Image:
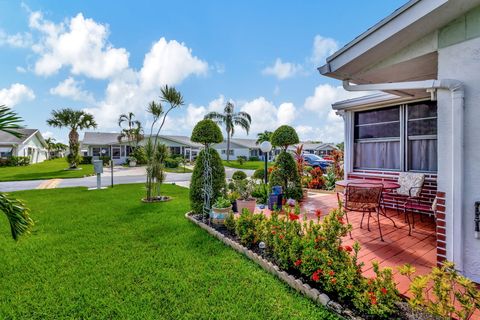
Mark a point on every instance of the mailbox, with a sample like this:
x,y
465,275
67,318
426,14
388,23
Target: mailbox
x,y
98,166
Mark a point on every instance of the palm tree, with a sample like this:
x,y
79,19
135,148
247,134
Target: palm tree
x,y
50,145
264,136
133,132
231,119
74,120
16,212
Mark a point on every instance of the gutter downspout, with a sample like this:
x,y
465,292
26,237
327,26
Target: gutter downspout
x,y
454,196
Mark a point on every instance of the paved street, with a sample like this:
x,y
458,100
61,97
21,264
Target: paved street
x,y
121,175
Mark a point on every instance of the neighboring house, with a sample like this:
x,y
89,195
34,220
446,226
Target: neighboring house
x,y
318,148
31,145
242,147
97,144
423,62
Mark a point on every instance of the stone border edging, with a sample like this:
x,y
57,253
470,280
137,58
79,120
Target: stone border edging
x,y
297,284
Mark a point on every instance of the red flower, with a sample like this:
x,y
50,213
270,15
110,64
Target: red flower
x,y
316,275
331,273
373,300
281,236
334,280
384,290
298,262
274,232
293,216
340,219
348,249
318,213
340,248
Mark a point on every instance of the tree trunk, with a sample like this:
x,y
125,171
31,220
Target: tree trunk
x,y
73,145
228,146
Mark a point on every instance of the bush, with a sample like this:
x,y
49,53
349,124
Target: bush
x,y
259,174
249,227
260,192
171,163
286,175
139,155
230,222
253,158
105,160
239,175
86,160
241,160
14,161
284,136
206,132
317,179
197,181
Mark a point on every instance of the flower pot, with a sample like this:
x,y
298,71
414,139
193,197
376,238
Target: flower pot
x,y
132,163
218,215
249,204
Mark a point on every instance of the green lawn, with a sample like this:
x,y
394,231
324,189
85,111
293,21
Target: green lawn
x,y
48,169
106,255
252,165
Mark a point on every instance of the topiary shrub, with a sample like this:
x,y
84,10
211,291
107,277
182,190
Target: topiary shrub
x,y
171,163
253,158
206,132
284,136
241,160
286,175
239,175
198,179
259,174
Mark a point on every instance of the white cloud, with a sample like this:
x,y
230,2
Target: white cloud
x,y
169,62
70,88
266,116
322,48
80,44
283,70
21,69
16,94
324,96
18,40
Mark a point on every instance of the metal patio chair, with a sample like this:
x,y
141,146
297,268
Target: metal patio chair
x,y
411,185
420,205
365,198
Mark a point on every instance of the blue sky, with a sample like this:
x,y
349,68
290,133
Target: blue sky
x,y
112,57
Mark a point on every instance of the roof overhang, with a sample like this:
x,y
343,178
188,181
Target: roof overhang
x,y
413,22
382,99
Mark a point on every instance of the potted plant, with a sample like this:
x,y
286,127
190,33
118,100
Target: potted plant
x,y
245,188
233,196
220,210
132,161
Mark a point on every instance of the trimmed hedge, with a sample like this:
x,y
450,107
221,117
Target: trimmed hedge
x,y
284,136
86,160
206,132
197,181
239,175
286,175
15,161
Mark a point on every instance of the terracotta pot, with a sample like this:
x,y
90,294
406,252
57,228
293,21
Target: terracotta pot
x,y
249,204
218,215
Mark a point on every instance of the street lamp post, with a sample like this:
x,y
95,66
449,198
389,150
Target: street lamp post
x,y
266,147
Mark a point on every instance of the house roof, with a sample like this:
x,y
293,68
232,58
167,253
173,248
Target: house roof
x,y
108,138
247,143
314,145
7,138
414,21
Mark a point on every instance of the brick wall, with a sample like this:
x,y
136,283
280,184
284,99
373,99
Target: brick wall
x,y
441,231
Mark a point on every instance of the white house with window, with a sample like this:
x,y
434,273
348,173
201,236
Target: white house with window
x,y
421,65
31,145
98,144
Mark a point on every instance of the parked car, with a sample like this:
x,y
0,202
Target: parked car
x,y
316,161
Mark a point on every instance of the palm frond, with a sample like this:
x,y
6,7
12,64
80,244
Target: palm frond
x,y
17,215
172,96
244,115
217,117
9,121
243,123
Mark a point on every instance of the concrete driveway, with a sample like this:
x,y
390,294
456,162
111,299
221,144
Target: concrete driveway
x,y
121,175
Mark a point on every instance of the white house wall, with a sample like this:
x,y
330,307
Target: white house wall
x,y
39,154
461,62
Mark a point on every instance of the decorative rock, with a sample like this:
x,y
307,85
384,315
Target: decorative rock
x,y
335,307
313,294
347,313
323,299
299,285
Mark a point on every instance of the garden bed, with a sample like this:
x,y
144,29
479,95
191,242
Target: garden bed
x,y
296,281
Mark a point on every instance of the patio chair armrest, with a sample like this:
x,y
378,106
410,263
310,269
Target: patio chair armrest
x,y
414,190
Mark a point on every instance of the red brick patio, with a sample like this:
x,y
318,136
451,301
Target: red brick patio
x,y
399,248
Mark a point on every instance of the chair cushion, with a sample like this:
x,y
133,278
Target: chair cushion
x,y
409,180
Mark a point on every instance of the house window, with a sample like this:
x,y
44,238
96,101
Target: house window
x,y
96,152
116,152
224,151
377,139
397,138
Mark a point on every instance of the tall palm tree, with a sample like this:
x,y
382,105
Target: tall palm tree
x,y
264,136
74,120
50,145
133,131
231,119
16,212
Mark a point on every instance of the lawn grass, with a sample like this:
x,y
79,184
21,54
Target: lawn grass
x,y
103,254
48,169
250,165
